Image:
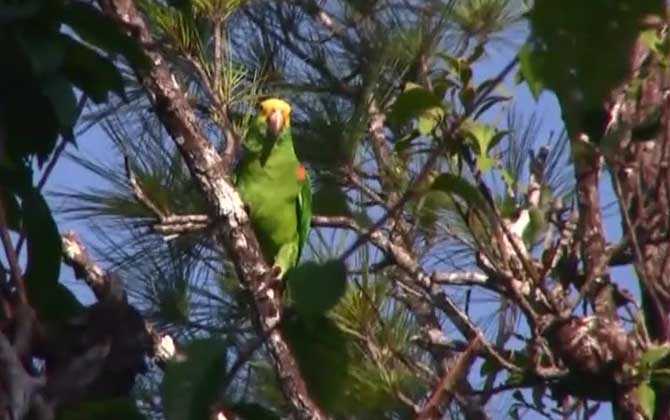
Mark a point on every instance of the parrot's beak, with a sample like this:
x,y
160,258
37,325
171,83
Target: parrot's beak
x,y
275,122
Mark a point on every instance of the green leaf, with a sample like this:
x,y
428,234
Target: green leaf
x,y
453,184
191,386
112,409
650,38
483,136
647,398
93,74
530,70
320,349
417,102
315,288
653,357
99,30
59,91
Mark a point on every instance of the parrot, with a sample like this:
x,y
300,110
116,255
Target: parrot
x,y
275,187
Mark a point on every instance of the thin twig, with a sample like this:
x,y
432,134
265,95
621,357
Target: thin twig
x,y
12,258
445,388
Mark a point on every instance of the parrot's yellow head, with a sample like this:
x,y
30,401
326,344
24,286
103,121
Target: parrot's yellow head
x,y
277,114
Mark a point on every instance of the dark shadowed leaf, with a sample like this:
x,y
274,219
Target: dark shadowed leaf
x,y
97,29
191,386
45,50
44,243
113,409
59,91
252,411
452,184
52,300
20,10
316,287
92,73
650,126
26,137
330,200
183,6
11,208
321,350
416,102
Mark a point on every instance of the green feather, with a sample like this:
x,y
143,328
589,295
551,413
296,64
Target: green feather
x,y
304,213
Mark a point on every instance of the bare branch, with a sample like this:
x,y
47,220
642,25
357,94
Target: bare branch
x,y
19,386
106,287
12,258
444,389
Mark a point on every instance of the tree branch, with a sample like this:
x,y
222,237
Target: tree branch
x,y
12,258
445,388
234,231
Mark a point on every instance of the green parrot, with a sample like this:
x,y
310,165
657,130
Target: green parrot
x,y
275,187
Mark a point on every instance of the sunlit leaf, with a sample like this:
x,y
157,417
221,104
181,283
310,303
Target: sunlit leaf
x,y
652,357
647,397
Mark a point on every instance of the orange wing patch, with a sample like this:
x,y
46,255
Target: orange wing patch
x,y
301,173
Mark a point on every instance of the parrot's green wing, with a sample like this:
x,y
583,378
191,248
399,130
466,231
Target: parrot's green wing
x,y
304,207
